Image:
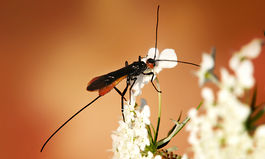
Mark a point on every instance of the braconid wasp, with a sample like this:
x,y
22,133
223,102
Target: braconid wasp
x,y
105,83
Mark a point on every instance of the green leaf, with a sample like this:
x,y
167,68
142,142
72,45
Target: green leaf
x,y
258,115
171,130
254,98
149,134
152,126
179,116
178,126
198,107
174,130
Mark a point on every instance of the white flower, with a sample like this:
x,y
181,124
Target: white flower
x,y
167,54
207,66
227,81
252,50
158,157
185,156
260,141
193,113
145,114
235,61
249,51
230,83
151,156
260,132
207,95
244,74
240,63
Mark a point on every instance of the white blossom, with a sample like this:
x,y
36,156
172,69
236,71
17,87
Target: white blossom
x,y
244,74
242,66
228,82
151,156
235,61
249,51
207,65
259,139
252,50
208,95
131,137
184,156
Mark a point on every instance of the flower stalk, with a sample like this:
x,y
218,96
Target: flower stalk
x,y
159,110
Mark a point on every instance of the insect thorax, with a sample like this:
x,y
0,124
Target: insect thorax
x,y
137,68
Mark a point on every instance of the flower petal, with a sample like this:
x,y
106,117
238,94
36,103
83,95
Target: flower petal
x,y
139,84
252,49
152,52
167,54
235,61
207,95
207,62
244,74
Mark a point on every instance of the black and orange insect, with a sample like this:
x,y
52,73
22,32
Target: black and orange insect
x,y
105,83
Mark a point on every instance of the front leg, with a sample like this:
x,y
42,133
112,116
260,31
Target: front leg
x,y
152,78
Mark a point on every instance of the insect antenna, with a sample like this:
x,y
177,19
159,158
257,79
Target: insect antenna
x,y
157,20
67,122
184,62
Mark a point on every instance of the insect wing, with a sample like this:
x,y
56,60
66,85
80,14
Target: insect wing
x,y
112,78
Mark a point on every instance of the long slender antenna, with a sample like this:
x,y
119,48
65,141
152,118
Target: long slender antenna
x,y
184,62
157,19
67,122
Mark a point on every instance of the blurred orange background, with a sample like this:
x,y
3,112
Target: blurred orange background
x,y
51,49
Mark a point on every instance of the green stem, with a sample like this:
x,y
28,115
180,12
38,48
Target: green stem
x,y
159,111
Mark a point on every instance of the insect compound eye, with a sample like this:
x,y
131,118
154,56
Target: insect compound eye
x,y
151,61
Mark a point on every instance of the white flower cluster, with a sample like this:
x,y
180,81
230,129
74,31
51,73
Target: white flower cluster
x,y
131,137
220,133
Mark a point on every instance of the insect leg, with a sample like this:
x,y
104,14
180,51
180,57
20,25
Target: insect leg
x,y
130,89
152,78
120,93
122,96
124,92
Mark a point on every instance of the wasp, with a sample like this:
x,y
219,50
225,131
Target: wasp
x,y
105,83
